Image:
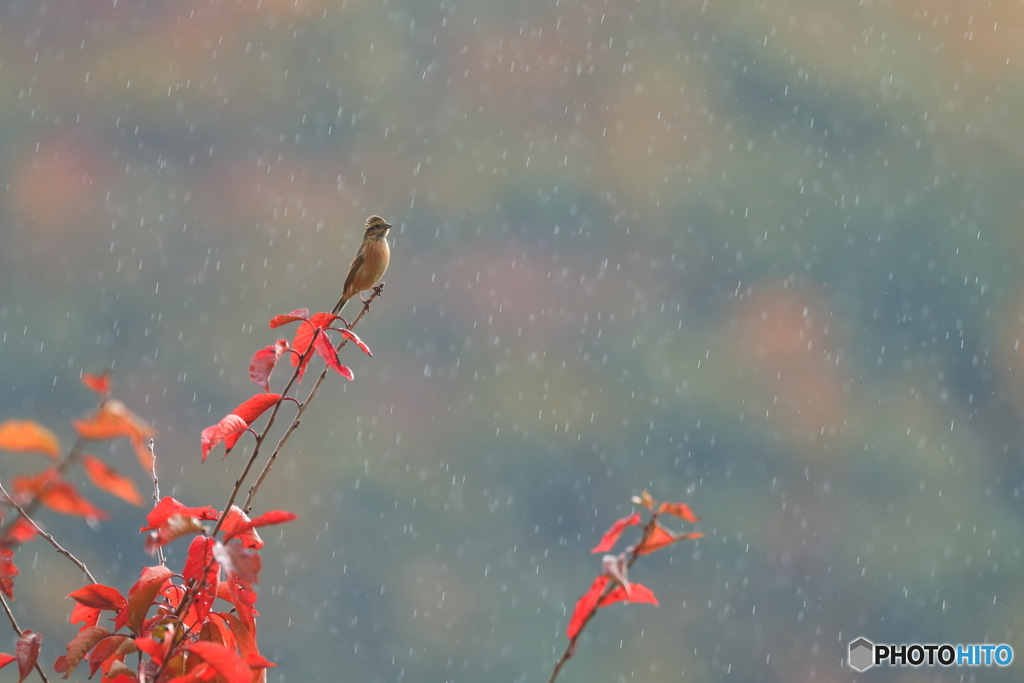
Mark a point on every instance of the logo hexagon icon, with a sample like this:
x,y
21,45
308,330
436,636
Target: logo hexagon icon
x,y
862,654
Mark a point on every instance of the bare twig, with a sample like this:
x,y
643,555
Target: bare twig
x,y
17,629
57,546
156,494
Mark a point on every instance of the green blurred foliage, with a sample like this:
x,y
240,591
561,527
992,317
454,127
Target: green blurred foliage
x,y
760,257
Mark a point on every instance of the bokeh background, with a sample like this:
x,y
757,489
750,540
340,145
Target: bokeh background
x,y
760,257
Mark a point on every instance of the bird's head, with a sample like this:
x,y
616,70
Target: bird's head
x,y
376,228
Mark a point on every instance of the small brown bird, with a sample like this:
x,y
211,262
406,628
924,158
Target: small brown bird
x,y
370,262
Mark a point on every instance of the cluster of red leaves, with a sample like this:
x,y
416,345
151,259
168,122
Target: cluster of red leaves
x,y
51,489
613,585
311,335
171,618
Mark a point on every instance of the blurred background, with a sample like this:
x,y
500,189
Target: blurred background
x,y
758,257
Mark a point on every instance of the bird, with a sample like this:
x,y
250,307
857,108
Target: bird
x,y
369,263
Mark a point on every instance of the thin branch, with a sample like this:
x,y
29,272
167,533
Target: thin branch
x,y
156,495
14,624
57,546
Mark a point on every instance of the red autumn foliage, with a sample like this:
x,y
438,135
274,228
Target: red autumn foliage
x,y
285,318
636,592
351,336
113,420
170,622
233,425
680,510
224,661
21,531
169,506
28,437
325,349
264,361
57,494
7,572
611,536
105,477
26,650
98,383
99,597
237,524
612,585
202,569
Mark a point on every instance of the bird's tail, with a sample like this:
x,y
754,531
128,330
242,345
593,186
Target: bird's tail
x,y
340,305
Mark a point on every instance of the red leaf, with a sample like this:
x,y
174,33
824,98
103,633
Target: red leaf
x,y
304,336
203,569
98,596
585,606
57,494
614,531
112,420
98,383
351,336
173,528
106,651
154,648
231,428
237,523
274,517
238,561
637,593
105,477
6,659
285,318
245,638
680,510
7,572
85,615
25,436
141,595
258,661
255,406
263,362
228,427
169,506
228,664
22,531
78,648
325,349
27,652
661,537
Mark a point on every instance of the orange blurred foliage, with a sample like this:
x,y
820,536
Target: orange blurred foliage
x,y
783,334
